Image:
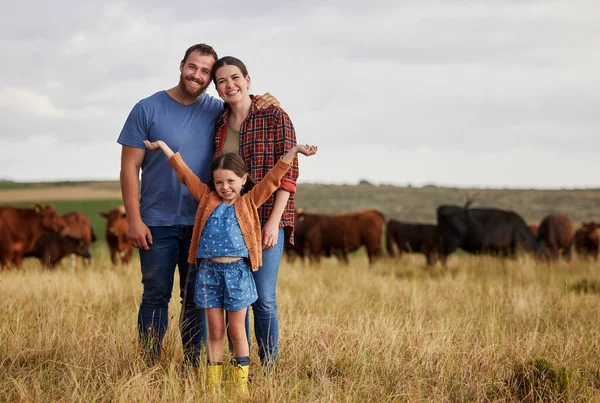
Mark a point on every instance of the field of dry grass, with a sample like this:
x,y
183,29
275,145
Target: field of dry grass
x,y
85,192
482,330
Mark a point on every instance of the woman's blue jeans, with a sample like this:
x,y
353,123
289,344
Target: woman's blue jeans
x,y
170,247
266,321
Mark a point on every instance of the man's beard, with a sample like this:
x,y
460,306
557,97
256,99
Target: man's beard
x,y
183,84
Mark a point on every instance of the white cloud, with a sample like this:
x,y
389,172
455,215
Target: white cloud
x,y
440,86
25,103
44,158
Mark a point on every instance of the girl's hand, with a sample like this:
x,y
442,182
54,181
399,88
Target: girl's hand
x,y
159,145
154,145
299,149
306,149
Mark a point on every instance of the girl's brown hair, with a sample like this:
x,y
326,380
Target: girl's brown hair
x,y
231,162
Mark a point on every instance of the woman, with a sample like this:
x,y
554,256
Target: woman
x,y
260,137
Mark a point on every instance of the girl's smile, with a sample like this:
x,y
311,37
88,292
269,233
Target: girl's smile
x,y
228,185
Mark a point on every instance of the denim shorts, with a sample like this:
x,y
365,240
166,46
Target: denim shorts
x,y
224,285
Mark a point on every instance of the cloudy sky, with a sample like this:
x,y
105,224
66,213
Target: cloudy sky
x,y
497,93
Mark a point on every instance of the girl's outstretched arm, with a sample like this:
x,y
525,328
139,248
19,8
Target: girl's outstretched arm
x,y
304,149
185,175
271,181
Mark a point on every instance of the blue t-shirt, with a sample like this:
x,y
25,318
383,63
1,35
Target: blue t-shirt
x,y
222,235
189,129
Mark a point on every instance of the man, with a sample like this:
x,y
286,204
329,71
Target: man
x,y
161,214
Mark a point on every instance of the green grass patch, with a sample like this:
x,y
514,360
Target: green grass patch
x,y
539,379
38,185
586,286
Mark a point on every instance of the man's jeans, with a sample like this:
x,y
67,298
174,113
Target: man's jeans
x,y
170,247
266,324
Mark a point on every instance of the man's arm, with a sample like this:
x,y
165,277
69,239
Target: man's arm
x,y
131,162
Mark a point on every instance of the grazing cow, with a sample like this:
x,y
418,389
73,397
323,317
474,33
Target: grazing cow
x,y
485,230
413,237
556,232
586,239
51,248
338,235
116,235
20,228
81,228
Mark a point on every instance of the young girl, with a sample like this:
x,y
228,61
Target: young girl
x,y
226,237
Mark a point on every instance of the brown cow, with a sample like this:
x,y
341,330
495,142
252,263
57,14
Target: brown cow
x,y
20,228
80,228
414,237
51,248
339,234
116,235
556,232
586,239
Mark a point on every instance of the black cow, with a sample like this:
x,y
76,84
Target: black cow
x,y
485,230
51,248
414,238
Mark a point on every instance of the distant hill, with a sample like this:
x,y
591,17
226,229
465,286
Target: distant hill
x,y
405,203
420,203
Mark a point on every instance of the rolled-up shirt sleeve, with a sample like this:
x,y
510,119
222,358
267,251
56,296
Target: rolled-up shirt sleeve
x,y
285,140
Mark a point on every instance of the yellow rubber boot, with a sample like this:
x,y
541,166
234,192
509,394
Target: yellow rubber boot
x,y
213,376
240,379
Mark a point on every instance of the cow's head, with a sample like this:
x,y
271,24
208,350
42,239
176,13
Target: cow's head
x,y
77,246
591,230
51,220
117,224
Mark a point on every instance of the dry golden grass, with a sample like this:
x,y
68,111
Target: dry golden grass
x,y
394,332
83,192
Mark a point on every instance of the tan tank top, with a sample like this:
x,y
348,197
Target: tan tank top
x,y
232,141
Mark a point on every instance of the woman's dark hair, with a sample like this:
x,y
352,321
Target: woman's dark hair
x,y
232,162
228,61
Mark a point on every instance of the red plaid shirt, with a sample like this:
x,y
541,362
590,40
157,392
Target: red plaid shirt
x,y
265,136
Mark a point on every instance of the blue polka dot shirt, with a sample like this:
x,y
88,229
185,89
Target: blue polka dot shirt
x,y
222,235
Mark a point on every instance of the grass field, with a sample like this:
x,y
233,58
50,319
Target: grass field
x,y
483,329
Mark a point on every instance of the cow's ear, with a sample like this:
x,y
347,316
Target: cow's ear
x,y
37,207
104,215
